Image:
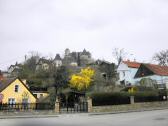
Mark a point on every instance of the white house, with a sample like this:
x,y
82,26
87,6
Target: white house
x,y
127,71
43,64
154,72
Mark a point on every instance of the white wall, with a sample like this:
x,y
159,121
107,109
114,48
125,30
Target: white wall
x,y
126,73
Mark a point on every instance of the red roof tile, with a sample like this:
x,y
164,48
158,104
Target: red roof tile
x,y
159,70
132,64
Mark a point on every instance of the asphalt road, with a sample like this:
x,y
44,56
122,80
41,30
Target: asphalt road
x,y
147,118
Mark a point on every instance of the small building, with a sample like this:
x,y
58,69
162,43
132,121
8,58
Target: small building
x,y
43,64
127,71
39,93
13,70
13,91
106,69
154,72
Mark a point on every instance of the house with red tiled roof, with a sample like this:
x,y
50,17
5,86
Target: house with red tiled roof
x,y
154,72
127,70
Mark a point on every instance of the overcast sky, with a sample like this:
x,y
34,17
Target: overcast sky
x,y
51,26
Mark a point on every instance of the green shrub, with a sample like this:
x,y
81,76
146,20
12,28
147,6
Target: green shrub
x,y
147,96
139,88
118,98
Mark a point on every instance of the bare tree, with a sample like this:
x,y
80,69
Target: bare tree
x,y
119,54
161,57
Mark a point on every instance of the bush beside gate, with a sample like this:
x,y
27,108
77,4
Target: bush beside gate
x,y
119,98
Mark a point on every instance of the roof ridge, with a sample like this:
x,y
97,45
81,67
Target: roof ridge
x,y
158,69
131,61
132,64
154,64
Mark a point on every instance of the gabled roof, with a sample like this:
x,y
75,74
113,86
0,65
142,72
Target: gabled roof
x,y
132,64
57,57
5,83
16,65
157,69
102,61
43,60
11,66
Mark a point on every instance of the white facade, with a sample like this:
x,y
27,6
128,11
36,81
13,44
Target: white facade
x,y
58,63
74,64
126,73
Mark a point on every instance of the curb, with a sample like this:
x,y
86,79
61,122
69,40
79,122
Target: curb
x,y
27,116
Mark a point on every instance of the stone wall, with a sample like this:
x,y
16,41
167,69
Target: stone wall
x,y
131,107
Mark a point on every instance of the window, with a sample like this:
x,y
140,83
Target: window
x,y
25,100
11,101
16,88
104,75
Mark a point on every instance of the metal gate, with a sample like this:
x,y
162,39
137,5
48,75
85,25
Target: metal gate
x,y
80,107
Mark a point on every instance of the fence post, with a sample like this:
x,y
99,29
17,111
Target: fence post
x,y
89,102
57,106
132,100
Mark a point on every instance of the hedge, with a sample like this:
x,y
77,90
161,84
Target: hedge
x,y
146,96
118,98
99,99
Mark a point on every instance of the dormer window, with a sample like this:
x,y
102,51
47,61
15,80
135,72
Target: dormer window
x,y
16,88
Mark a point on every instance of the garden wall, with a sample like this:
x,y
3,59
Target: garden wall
x,y
131,107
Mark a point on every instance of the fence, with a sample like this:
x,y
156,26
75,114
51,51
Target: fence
x,y
73,108
25,107
162,84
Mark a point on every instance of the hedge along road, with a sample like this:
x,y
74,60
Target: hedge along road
x,y
146,118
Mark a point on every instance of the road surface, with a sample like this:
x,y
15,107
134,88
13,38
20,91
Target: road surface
x,y
147,118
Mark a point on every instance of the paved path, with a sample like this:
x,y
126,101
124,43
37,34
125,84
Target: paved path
x,y
146,118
